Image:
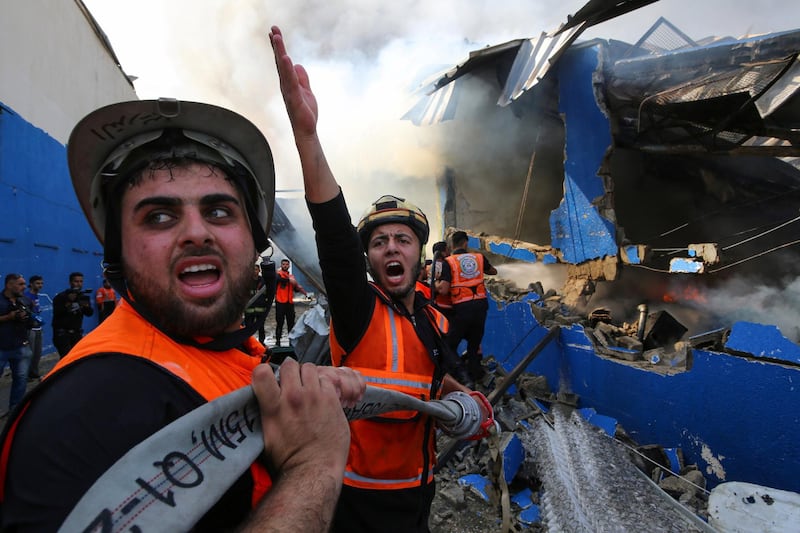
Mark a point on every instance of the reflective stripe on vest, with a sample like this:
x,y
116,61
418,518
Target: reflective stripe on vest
x,y
467,277
387,452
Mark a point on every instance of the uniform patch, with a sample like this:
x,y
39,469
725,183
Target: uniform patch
x,y
469,266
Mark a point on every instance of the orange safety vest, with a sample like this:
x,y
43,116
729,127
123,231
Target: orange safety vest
x,y
424,288
210,373
105,295
467,277
284,288
394,450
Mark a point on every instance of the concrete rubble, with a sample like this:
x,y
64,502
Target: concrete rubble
x,y
471,495
470,492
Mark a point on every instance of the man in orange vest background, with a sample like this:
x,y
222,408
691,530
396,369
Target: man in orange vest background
x,y
462,278
106,300
285,288
386,330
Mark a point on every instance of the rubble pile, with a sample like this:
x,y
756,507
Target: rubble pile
x,y
606,476
653,341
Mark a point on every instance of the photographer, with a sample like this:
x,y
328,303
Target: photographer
x,y
69,308
15,321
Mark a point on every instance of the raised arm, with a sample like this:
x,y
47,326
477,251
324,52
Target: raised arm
x,y
320,184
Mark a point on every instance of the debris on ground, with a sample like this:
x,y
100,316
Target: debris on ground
x,y
554,467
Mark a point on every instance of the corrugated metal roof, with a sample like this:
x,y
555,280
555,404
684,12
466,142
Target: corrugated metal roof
x,y
534,59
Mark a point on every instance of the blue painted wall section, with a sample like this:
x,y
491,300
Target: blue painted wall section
x,y
733,417
512,332
763,341
44,231
632,254
736,417
576,226
505,249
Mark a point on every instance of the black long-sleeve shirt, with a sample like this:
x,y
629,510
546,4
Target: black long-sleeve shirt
x,y
68,313
344,271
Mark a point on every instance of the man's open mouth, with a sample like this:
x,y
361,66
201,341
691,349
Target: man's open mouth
x,y
199,275
394,269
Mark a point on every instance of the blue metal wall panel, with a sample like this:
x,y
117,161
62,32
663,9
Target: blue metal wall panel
x,y
576,226
736,418
511,333
44,231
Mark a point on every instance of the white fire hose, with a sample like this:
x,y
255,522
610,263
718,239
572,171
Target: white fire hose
x,y
170,480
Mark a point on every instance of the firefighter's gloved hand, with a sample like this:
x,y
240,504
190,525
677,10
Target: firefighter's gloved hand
x,y
477,416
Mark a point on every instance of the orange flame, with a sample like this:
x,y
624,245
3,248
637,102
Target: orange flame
x,y
688,293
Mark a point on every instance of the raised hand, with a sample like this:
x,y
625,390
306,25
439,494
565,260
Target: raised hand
x,y
301,104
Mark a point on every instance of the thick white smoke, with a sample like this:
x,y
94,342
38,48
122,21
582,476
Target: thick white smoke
x,y
365,60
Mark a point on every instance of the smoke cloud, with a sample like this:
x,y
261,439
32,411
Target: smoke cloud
x,y
366,60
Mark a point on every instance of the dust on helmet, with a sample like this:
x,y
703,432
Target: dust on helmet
x,y
112,143
390,209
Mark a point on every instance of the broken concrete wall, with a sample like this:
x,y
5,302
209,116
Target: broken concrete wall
x,y
735,416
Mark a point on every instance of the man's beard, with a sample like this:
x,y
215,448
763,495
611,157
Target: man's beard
x,y
175,317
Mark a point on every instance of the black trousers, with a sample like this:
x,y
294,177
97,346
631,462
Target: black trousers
x,y
64,340
283,312
258,319
383,511
467,323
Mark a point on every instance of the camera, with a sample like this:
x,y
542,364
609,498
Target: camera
x,y
23,314
79,291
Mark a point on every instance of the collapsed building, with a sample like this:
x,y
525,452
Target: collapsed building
x,y
661,179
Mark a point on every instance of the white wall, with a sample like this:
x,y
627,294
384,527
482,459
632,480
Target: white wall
x,y
54,68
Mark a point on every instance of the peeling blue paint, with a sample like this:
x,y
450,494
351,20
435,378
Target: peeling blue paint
x,y
632,254
509,251
762,340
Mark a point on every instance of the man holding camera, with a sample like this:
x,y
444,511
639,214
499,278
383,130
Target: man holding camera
x,y
15,322
69,308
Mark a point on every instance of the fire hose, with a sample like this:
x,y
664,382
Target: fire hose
x,y
168,481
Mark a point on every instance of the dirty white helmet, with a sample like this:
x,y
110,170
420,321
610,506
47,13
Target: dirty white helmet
x,y
112,143
390,209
